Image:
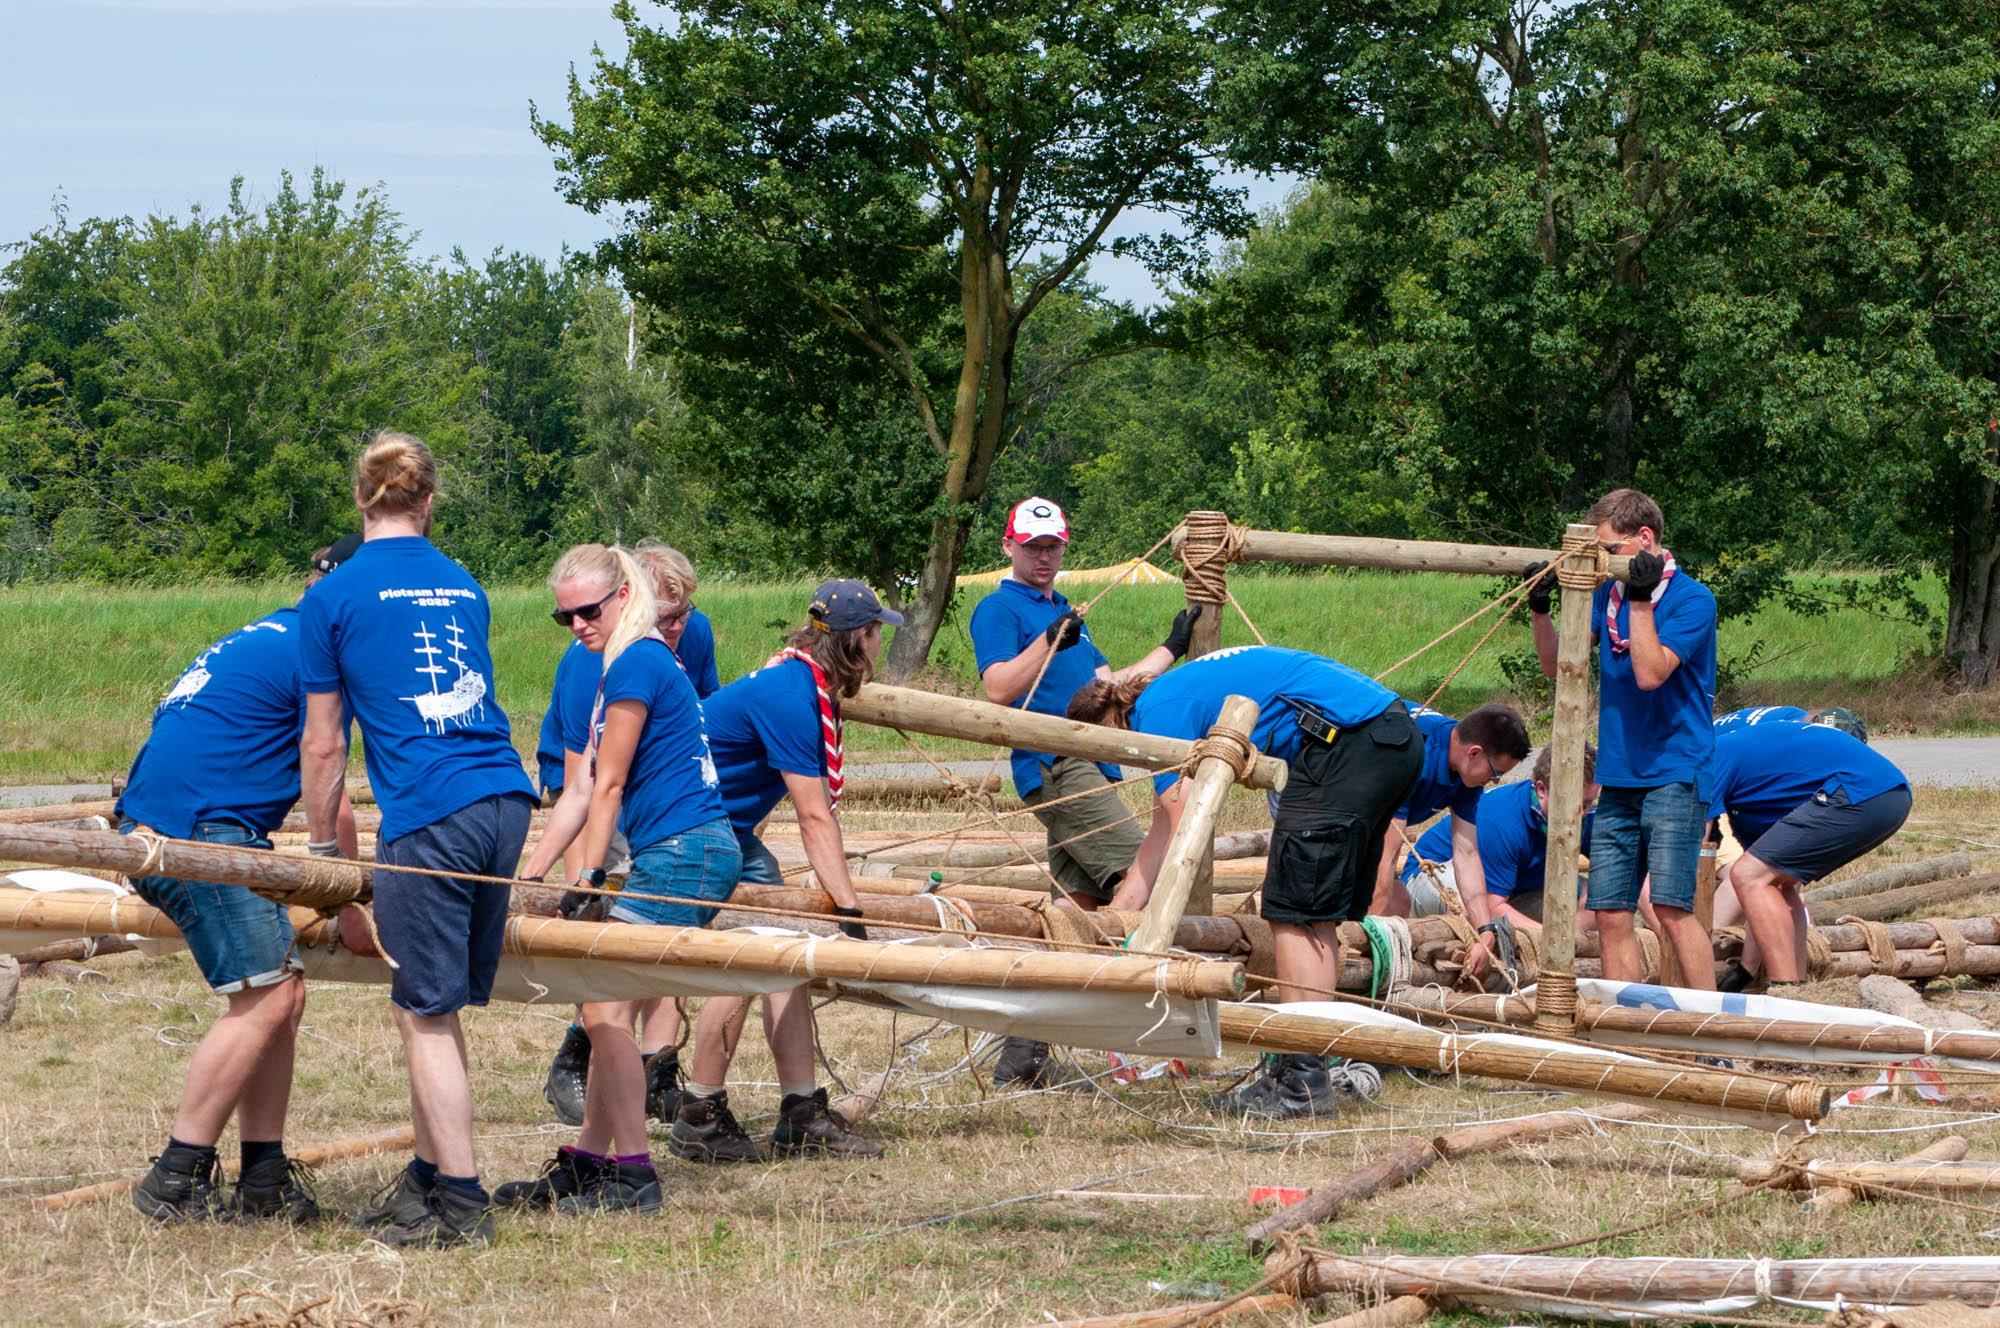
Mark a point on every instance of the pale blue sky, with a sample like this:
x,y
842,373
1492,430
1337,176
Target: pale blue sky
x,y
137,106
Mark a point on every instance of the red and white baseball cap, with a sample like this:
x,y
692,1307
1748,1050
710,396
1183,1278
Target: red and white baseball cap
x,y
1036,518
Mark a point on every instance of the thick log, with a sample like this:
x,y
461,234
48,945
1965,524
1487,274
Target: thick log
x,y
1209,786
1242,844
1512,1279
916,788
275,875
1551,1064
1919,935
1893,878
1206,636
1004,726
1182,1316
77,949
1570,734
1398,1312
805,958
1395,555
943,854
59,812
1875,1179
1408,1160
1833,1198
314,1155
1911,898
1898,998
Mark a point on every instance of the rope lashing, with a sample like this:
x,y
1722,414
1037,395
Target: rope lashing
x,y
1819,953
1555,998
1951,943
1209,543
1572,577
1230,746
1881,946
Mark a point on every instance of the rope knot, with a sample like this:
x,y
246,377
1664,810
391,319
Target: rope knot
x,y
1230,746
1209,543
1572,577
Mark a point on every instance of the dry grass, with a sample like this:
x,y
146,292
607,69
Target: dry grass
x,y
955,1225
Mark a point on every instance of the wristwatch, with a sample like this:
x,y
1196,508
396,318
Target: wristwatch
x,y
1486,929
593,877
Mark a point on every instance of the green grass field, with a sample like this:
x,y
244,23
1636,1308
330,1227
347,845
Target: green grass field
x,y
81,666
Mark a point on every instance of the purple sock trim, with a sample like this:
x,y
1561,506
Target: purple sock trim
x,y
633,1160
572,1151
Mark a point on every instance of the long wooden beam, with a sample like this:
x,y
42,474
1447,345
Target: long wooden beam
x,y
1208,787
1004,726
1398,555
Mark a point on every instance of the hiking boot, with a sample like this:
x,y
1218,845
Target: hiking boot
x,y
1023,1062
279,1187
569,1075
567,1173
182,1187
1738,978
807,1125
706,1131
451,1217
1284,1091
399,1203
663,1085
619,1187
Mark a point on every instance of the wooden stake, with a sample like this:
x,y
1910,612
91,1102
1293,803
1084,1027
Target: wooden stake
x,y
1571,732
317,1155
1876,1179
56,811
1833,1198
1004,726
1893,878
1208,788
1278,546
1400,1312
1909,898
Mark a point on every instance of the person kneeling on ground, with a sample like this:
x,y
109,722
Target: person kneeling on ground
x,y
1025,630
222,766
650,771
1804,800
776,733
1353,750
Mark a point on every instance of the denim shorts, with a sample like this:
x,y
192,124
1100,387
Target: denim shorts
x,y
444,933
701,863
1826,832
240,941
1641,833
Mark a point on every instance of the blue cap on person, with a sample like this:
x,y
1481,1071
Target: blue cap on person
x,y
337,552
843,606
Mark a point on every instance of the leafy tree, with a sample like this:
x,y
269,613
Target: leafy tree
x,y
849,210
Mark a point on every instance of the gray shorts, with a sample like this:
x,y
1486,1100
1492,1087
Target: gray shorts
x,y
445,933
1827,832
1097,833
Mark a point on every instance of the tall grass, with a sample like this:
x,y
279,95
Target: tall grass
x,y
81,666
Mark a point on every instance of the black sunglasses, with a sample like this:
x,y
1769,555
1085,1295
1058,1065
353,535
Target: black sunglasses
x,y
587,612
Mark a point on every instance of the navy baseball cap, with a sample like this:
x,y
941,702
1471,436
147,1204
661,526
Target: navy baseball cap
x,y
843,606
337,552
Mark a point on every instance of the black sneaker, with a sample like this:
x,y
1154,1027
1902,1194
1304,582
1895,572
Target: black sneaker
x,y
1023,1062
663,1085
567,1173
807,1125
1281,1092
278,1187
451,1217
569,1075
621,1187
182,1187
1738,978
706,1131
399,1203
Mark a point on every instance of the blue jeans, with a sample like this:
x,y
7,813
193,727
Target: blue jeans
x,y
444,933
239,940
701,863
1641,832
760,864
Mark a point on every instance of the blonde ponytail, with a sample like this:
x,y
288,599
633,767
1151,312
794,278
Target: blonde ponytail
x,y
611,568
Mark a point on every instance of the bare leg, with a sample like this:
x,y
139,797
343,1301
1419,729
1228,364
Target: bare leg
x,y
788,1028
1306,956
440,1090
1801,926
245,1059
614,1103
1619,944
716,1030
660,1024
1769,897
1692,946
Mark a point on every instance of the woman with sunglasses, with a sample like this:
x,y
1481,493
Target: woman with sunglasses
x,y
647,769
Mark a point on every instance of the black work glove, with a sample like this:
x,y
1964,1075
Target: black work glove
x,y
578,906
1065,631
1643,576
1182,633
1540,597
853,931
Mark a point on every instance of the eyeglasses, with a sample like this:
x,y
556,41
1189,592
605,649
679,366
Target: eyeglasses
x,y
1618,546
587,612
679,615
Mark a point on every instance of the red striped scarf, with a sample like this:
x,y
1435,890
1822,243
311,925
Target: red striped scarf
x,y
1619,645
829,724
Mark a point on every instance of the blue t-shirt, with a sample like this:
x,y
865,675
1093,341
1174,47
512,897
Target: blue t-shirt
x,y
1665,736
225,740
1184,702
1763,774
1003,624
1513,840
696,653
672,785
1437,788
1737,719
568,717
400,632
762,727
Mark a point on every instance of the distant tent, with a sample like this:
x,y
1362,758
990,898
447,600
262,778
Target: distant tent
x,y
1143,574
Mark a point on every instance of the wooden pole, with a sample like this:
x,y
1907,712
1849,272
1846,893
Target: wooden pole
x,y
78,949
1398,1312
1208,787
1910,898
1833,1198
1184,1316
1003,726
1876,1179
1892,878
1280,1028
1277,546
42,813
1204,575
316,1155
1405,1162
1571,732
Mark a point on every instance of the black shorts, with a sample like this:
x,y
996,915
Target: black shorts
x,y
1827,831
1335,808
445,933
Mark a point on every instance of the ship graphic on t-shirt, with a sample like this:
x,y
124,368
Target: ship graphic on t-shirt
x,y
465,699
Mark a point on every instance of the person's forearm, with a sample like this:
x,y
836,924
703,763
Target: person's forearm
x,y
603,820
566,819
1009,680
1545,642
322,782
1136,889
1652,663
346,833
1498,906
1155,661
1470,874
826,851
